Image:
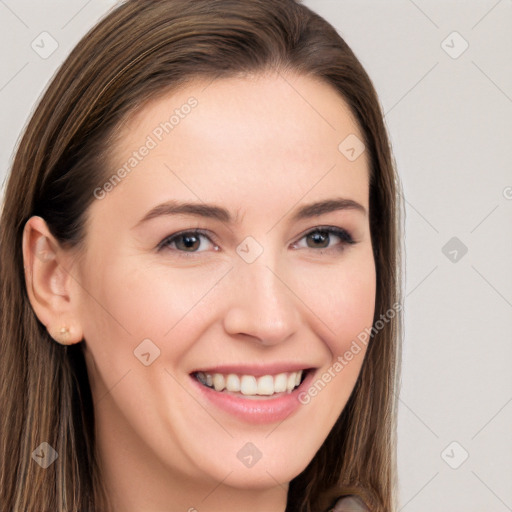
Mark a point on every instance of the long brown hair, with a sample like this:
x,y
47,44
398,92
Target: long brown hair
x,y
140,49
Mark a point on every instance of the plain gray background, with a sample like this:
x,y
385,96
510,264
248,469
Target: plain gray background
x,y
443,74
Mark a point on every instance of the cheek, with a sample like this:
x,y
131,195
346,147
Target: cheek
x,y
346,309
127,304
342,298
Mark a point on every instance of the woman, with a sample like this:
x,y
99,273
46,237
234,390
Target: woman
x,y
199,271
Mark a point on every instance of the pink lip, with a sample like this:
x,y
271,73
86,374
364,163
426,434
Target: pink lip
x,y
256,370
261,411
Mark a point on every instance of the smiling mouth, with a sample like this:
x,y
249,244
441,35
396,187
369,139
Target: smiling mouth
x,y
250,386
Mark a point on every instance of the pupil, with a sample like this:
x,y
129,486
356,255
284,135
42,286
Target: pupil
x,y
189,241
321,236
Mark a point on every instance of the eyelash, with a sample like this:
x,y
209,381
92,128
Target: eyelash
x,y
342,234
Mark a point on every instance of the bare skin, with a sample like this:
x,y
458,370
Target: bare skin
x,y
257,148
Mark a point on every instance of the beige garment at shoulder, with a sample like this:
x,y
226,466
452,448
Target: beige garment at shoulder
x,y
350,504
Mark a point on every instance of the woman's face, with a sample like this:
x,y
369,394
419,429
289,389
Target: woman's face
x,y
260,294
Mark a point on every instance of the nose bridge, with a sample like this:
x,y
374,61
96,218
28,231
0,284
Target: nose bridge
x,y
262,305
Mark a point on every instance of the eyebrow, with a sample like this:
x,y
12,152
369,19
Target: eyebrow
x,y
212,211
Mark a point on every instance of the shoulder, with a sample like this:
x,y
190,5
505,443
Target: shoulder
x,y
350,504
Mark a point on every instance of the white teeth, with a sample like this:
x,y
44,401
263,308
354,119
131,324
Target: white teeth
x,y
249,385
218,382
233,382
291,382
266,385
280,382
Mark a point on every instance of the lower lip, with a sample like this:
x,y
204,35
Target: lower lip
x,y
261,411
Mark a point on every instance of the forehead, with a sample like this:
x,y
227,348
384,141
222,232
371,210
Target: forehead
x,y
258,104
233,139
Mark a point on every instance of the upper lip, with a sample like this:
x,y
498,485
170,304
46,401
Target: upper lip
x,y
256,370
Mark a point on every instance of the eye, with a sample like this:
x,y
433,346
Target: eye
x,y
186,241
322,236
191,241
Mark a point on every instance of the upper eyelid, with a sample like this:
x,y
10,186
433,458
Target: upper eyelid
x,y
325,227
195,231
332,230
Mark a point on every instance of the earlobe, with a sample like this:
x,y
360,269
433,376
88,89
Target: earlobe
x,y
48,283
65,335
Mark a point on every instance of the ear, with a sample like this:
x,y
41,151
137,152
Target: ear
x,y
49,283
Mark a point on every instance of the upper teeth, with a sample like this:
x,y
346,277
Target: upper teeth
x,y
250,385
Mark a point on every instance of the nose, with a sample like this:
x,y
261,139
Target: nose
x,y
262,304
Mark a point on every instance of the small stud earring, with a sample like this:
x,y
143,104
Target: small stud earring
x,y
62,335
